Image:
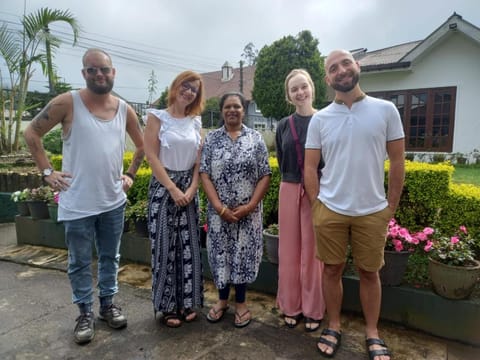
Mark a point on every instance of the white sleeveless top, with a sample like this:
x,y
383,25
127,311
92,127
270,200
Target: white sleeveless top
x,y
93,155
179,140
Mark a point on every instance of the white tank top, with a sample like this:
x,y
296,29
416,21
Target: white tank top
x,y
93,154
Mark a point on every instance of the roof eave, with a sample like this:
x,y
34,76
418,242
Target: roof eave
x,y
398,66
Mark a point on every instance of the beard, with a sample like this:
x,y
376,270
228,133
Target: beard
x,y
100,89
347,87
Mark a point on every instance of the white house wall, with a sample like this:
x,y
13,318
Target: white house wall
x,y
454,61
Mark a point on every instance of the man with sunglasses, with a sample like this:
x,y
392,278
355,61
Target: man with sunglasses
x,y
92,184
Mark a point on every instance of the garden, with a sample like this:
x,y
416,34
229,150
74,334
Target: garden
x,y
437,221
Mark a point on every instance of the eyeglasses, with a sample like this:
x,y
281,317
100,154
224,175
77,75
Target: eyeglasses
x,y
186,86
93,70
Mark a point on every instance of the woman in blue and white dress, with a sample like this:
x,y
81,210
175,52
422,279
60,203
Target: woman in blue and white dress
x,y
172,143
235,176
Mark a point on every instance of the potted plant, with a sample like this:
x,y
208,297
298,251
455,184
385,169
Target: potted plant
x,y
137,213
37,202
52,205
270,237
453,269
398,247
20,198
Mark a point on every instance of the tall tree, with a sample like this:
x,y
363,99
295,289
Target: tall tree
x,y
274,62
250,54
37,25
20,50
211,113
163,99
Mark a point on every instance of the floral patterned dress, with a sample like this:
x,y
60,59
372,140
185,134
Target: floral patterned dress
x,y
234,167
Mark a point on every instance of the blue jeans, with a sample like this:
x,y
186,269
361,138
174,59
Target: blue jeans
x,y
106,230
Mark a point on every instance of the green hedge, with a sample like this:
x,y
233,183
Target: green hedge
x,y
429,197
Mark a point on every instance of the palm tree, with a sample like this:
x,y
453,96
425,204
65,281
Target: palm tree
x,y
20,50
36,26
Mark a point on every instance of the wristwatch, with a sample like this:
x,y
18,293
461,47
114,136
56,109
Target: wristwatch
x,y
47,172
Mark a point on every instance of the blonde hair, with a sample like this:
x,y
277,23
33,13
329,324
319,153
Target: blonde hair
x,y
196,107
290,75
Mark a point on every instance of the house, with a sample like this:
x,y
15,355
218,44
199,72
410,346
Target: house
x,y
240,79
434,84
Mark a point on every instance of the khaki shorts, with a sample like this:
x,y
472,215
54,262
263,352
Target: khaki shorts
x,y
366,234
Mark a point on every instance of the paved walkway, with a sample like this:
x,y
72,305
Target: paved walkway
x,y
37,320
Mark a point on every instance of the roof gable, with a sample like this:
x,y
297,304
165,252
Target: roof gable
x,y
215,87
401,56
454,23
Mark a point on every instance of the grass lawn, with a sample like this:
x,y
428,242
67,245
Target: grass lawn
x,y
467,174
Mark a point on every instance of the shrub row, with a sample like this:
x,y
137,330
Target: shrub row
x,y
429,197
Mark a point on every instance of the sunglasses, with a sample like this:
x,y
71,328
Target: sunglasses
x,y
93,70
186,86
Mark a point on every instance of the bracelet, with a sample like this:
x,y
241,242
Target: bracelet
x,y
130,175
222,211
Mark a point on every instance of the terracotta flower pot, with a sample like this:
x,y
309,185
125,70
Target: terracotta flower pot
x,y
453,282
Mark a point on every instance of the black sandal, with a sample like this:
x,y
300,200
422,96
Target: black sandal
x,y
333,345
169,319
296,319
377,352
310,321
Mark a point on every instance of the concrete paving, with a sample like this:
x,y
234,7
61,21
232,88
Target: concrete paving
x,y
37,320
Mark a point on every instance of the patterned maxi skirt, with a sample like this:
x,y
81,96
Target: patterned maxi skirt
x,y
177,281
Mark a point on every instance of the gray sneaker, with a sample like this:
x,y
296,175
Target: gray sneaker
x,y
85,328
112,314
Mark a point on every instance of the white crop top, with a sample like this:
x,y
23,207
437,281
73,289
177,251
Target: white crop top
x,y
179,140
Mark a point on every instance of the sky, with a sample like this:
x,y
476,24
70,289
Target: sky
x,y
170,36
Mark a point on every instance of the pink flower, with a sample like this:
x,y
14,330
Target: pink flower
x,y
454,240
463,229
421,236
429,246
428,231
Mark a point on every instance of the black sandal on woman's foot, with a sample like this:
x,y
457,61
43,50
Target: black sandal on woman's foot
x,y
188,315
172,320
377,352
294,320
333,345
311,324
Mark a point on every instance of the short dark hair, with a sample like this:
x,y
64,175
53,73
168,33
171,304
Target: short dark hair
x,y
233,93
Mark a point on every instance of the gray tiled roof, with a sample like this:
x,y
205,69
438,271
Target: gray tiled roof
x,y
385,56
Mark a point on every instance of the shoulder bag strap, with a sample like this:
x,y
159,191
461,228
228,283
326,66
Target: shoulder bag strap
x,y
297,145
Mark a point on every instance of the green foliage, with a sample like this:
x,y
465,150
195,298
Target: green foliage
x,y
56,161
139,189
20,50
211,114
137,211
22,195
274,62
52,141
43,193
270,201
163,100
